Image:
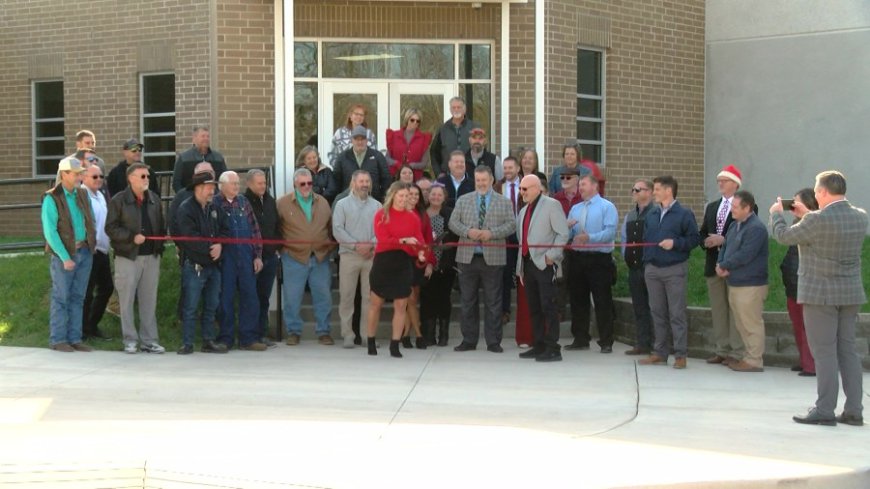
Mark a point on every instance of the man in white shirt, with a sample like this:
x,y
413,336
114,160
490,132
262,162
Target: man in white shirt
x,y
100,286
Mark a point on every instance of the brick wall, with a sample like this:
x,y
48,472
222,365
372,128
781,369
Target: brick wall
x,y
522,73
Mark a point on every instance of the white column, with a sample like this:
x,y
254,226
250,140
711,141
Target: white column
x,y
540,63
280,119
505,79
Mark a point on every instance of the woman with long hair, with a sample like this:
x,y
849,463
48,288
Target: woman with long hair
x,y
805,201
324,184
405,175
409,146
529,164
400,240
412,320
341,140
435,306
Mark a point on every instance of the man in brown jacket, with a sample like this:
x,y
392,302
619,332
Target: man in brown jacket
x,y
306,225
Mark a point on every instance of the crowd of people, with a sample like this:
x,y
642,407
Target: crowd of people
x,y
436,212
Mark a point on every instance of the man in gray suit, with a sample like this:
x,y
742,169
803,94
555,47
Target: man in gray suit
x,y
541,221
830,288
482,220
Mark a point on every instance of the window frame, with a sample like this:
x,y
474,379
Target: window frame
x,y
35,140
602,99
143,116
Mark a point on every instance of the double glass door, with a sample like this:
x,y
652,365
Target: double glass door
x,y
385,104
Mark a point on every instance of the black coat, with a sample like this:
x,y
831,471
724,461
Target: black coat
x,y
116,182
124,222
182,173
467,186
325,184
194,220
373,162
486,158
448,255
266,212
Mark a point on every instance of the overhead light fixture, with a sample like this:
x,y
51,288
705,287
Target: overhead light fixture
x,y
368,57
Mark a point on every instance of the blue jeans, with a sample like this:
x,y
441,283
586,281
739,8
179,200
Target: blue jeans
x,y
318,278
265,282
205,285
68,297
237,275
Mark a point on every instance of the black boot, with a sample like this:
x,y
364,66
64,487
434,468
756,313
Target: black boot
x,y
394,349
421,343
443,328
406,342
373,349
428,328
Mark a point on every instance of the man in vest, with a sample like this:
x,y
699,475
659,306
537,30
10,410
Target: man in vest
x,y
70,235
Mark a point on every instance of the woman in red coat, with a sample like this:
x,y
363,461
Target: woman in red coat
x,y
409,145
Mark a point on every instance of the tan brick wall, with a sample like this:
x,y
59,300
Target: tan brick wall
x,y
654,89
522,76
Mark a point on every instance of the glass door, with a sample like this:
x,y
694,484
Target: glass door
x,y
431,99
338,98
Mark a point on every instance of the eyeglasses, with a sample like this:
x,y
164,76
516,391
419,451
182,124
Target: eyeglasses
x,y
305,184
413,120
91,158
360,114
97,177
567,177
136,150
524,189
143,177
638,190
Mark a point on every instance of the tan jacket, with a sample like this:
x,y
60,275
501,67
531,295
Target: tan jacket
x,y
295,227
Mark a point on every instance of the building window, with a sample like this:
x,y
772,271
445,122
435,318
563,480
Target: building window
x,y
157,109
47,126
590,104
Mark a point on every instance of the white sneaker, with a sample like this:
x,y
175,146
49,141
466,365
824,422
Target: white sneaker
x,y
131,347
152,348
348,342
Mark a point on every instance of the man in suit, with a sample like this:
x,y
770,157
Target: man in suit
x,y
541,221
481,218
509,186
831,291
457,182
717,219
361,157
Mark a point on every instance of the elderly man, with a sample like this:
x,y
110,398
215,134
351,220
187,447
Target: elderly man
x,y
831,290
481,218
306,224
666,270
239,265
353,222
458,182
477,154
451,136
117,179
541,222
100,281
743,264
135,214
70,235
198,219
200,151
714,229
633,232
593,228
266,212
361,157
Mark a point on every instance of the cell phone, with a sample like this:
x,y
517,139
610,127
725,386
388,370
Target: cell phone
x,y
788,204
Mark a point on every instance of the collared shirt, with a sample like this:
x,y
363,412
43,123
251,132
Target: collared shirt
x,y
456,183
305,204
516,200
600,223
49,223
238,206
98,204
487,197
360,157
666,209
726,201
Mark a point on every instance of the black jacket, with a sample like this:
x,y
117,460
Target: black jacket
x,y
325,184
634,225
266,212
486,158
197,221
182,174
124,222
447,139
789,269
116,182
709,227
465,187
448,254
373,162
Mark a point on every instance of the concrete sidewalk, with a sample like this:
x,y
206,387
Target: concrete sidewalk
x,y
315,416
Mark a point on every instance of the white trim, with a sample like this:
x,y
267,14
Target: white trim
x,y
34,121
143,115
540,80
504,72
279,174
601,98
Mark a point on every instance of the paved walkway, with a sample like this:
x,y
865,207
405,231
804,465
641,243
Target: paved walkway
x,y
315,416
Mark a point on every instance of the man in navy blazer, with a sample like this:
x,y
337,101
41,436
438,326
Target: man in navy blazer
x,y
457,182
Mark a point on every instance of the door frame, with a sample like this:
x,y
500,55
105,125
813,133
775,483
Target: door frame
x,y
325,129
399,88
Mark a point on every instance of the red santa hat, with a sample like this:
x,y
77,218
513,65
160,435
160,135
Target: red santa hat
x,y
731,173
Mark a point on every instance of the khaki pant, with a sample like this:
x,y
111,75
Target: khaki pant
x,y
137,280
726,338
353,269
747,304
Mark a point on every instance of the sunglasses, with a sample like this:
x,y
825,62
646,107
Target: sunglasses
x,y
143,177
638,190
97,177
91,158
567,177
135,150
413,120
305,184
524,189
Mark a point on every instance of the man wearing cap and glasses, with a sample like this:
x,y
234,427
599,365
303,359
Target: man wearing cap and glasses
x,y
70,234
361,157
100,286
117,179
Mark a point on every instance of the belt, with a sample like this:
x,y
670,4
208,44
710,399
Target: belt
x,y
81,244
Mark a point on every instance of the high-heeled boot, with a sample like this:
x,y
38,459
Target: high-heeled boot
x,y
373,347
406,342
443,329
394,349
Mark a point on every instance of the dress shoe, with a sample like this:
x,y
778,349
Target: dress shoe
x,y
292,339
495,348
850,419
729,360
185,350
577,346
796,368
255,346
326,340
211,346
606,349
716,359
465,347
653,360
532,353
680,363
421,343
81,347
804,373
813,417
637,351
64,347
742,366
549,356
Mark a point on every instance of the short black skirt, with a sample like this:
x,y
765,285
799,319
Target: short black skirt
x,y
392,275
